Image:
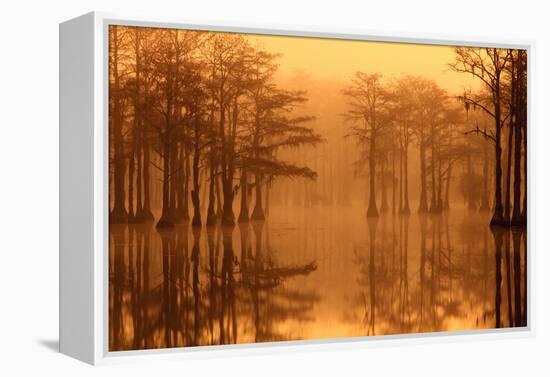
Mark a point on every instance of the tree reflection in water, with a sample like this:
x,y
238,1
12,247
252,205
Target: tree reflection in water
x,y
310,278
189,287
446,283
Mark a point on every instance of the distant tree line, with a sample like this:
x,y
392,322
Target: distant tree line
x,y
387,118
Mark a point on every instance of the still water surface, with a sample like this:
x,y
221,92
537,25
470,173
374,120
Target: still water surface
x,y
312,274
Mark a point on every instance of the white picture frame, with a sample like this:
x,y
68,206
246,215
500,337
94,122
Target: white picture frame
x,y
84,191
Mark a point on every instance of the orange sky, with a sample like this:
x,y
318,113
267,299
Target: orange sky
x,y
339,59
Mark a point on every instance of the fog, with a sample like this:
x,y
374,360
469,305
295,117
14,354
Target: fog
x,y
268,188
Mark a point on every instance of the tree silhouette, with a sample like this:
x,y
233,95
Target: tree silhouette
x,y
487,65
367,99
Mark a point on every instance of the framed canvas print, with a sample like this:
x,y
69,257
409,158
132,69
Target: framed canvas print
x,y
237,189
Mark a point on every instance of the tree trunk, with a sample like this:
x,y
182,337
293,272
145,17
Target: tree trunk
x,y
506,220
384,205
439,199
258,212
372,211
196,222
174,163
517,218
485,185
400,177
498,218
147,215
131,170
118,215
186,184
433,204
393,204
524,213
136,140
423,205
267,197
228,217
219,201
224,151
447,202
165,220
406,209
243,216
511,127
139,181
211,214
179,184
